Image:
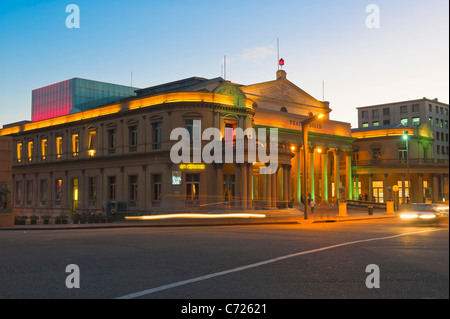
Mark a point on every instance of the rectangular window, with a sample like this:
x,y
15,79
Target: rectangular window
x,y
386,122
58,191
44,149
192,186
442,123
415,107
404,109
376,153
415,121
92,190
377,188
19,152
59,147
430,121
375,113
430,108
376,124
402,153
75,145
365,124
133,138
365,114
43,192
156,136
92,143
111,141
133,190
403,193
112,188
404,122
29,192
30,151
157,187
18,192
386,111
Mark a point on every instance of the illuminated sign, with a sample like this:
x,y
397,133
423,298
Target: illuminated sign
x,y
176,178
192,166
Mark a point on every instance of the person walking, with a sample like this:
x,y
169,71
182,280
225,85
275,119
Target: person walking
x,y
311,203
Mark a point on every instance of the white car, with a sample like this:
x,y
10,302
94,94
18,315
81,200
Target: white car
x,y
423,212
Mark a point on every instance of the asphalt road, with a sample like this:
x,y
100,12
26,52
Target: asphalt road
x,y
317,261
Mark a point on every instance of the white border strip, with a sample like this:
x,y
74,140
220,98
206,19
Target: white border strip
x,y
269,261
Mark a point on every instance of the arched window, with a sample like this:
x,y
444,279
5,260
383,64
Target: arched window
x,y
283,109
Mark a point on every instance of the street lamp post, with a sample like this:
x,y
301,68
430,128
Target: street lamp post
x,y
304,124
406,138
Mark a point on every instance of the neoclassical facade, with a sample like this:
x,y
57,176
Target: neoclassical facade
x,y
122,151
384,158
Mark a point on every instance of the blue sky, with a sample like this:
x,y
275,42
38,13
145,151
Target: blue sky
x,y
162,41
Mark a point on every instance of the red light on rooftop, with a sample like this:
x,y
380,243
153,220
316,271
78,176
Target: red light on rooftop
x,y
281,62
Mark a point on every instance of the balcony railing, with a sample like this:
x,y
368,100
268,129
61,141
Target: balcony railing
x,y
402,162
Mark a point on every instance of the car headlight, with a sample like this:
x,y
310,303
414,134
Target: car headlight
x,y
409,215
427,216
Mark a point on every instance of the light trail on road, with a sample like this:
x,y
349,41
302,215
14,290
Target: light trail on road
x,y
265,262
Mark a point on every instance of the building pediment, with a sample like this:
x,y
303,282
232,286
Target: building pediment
x,y
276,94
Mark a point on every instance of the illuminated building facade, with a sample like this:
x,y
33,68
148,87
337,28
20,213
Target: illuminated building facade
x,y
74,95
121,151
395,155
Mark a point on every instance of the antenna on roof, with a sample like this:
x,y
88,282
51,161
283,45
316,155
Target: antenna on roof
x,y
224,67
323,90
278,53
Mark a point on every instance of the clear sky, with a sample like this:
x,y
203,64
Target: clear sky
x,y
407,57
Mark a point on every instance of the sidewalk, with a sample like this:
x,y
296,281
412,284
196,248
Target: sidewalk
x,y
323,214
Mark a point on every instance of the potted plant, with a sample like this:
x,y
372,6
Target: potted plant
x,y
33,219
91,218
23,220
64,219
46,219
83,218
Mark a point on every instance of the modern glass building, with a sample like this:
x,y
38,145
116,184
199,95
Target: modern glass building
x,y
74,95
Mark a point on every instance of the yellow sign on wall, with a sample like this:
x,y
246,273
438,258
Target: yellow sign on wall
x,y
192,166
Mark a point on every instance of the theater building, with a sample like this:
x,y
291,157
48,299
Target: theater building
x,y
121,151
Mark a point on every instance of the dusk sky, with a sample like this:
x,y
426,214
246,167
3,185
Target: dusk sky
x,y
406,58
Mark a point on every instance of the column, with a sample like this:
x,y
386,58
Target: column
x,y
298,179
419,199
311,174
237,185
385,186
285,183
273,197
348,175
336,174
325,176
219,182
435,189
268,193
370,188
244,185
403,190
249,185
